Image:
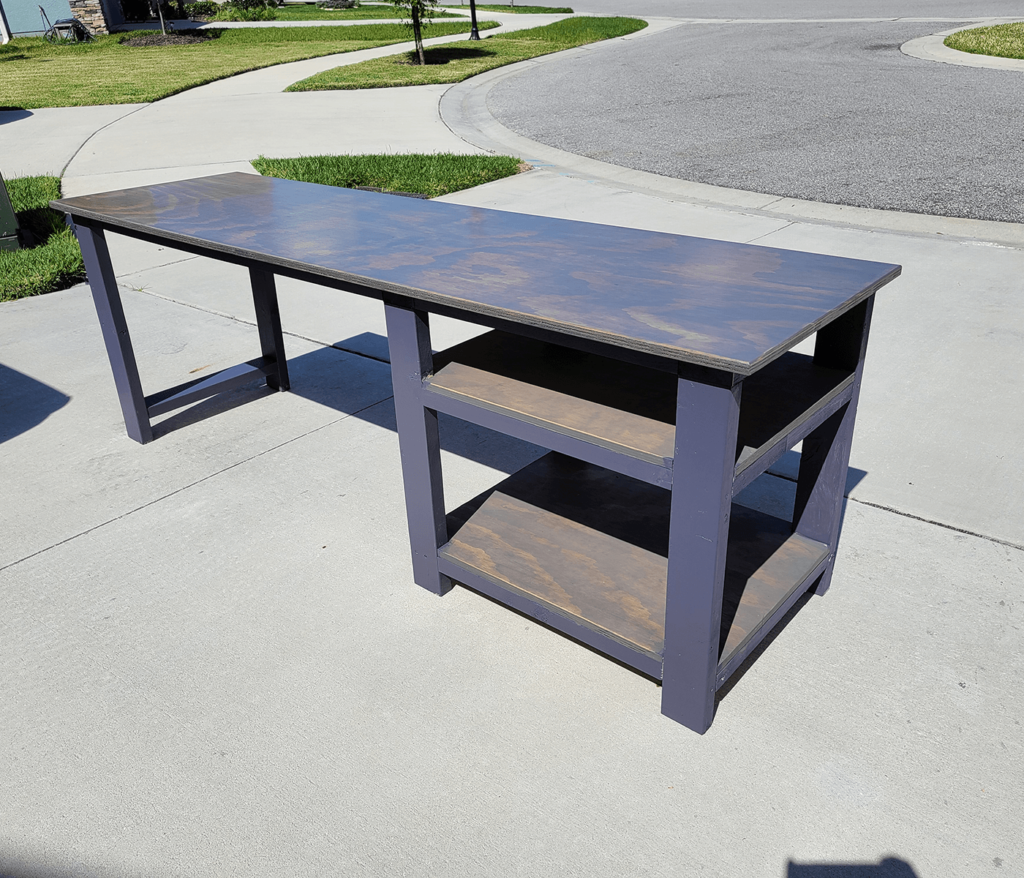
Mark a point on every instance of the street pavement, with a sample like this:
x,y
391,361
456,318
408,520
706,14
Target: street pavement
x,y
215,662
820,109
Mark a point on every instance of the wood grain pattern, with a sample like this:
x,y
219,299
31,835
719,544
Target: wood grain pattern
x,y
592,546
725,305
607,402
621,406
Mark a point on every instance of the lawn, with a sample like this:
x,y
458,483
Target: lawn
x,y
55,263
34,73
454,62
1002,40
431,175
360,13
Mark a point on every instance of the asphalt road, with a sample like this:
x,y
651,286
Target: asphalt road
x,y
827,110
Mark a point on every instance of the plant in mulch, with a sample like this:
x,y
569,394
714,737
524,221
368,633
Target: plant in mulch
x,y
247,10
202,9
188,38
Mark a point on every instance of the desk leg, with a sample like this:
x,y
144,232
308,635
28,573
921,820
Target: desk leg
x,y
825,459
418,441
268,319
107,300
707,418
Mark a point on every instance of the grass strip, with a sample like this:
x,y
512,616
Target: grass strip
x,y
425,174
34,73
454,62
1001,40
360,13
55,263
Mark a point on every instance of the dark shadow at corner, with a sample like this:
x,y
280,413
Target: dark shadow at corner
x,y
890,867
25,402
788,467
13,114
12,867
445,54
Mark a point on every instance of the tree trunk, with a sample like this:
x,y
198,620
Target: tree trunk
x,y
417,33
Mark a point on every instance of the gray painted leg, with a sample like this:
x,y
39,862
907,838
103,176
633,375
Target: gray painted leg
x,y
707,417
268,319
107,300
411,360
826,451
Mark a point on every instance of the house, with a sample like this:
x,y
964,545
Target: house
x,y
23,17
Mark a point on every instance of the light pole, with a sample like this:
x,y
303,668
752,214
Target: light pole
x,y
474,34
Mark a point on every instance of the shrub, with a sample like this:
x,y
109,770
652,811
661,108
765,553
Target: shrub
x,y
202,8
247,10
337,4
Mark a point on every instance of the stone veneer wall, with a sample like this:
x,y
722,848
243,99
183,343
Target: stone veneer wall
x,y
90,13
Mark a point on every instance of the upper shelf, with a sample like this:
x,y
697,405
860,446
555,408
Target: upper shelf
x,y
715,303
623,407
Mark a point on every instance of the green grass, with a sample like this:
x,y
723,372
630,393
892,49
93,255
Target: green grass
x,y
430,175
55,263
525,10
1002,40
454,62
361,13
34,73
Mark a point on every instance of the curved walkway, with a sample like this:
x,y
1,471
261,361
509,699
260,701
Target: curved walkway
x,y
222,126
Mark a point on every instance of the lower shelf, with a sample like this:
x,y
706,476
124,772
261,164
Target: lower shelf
x,y
590,546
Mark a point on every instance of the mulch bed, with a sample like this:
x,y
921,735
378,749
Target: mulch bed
x,y
151,39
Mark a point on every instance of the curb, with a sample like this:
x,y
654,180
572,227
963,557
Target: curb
x,y
932,48
463,109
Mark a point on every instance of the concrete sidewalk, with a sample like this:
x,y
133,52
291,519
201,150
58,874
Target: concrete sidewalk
x,y
215,662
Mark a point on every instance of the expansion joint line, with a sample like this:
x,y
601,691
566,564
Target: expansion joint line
x,y
960,530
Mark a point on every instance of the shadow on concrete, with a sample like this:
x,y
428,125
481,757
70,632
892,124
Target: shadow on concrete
x,y
890,867
25,402
788,466
320,376
366,344
13,114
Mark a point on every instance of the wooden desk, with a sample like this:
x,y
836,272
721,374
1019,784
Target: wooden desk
x,y
656,367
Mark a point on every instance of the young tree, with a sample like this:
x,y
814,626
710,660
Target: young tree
x,y
418,11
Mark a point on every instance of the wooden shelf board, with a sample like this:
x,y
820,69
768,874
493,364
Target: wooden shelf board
x,y
621,406
610,403
591,546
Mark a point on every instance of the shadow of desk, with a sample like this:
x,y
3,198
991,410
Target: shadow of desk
x,y
657,368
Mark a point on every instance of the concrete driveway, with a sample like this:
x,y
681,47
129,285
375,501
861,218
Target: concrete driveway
x,y
214,661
